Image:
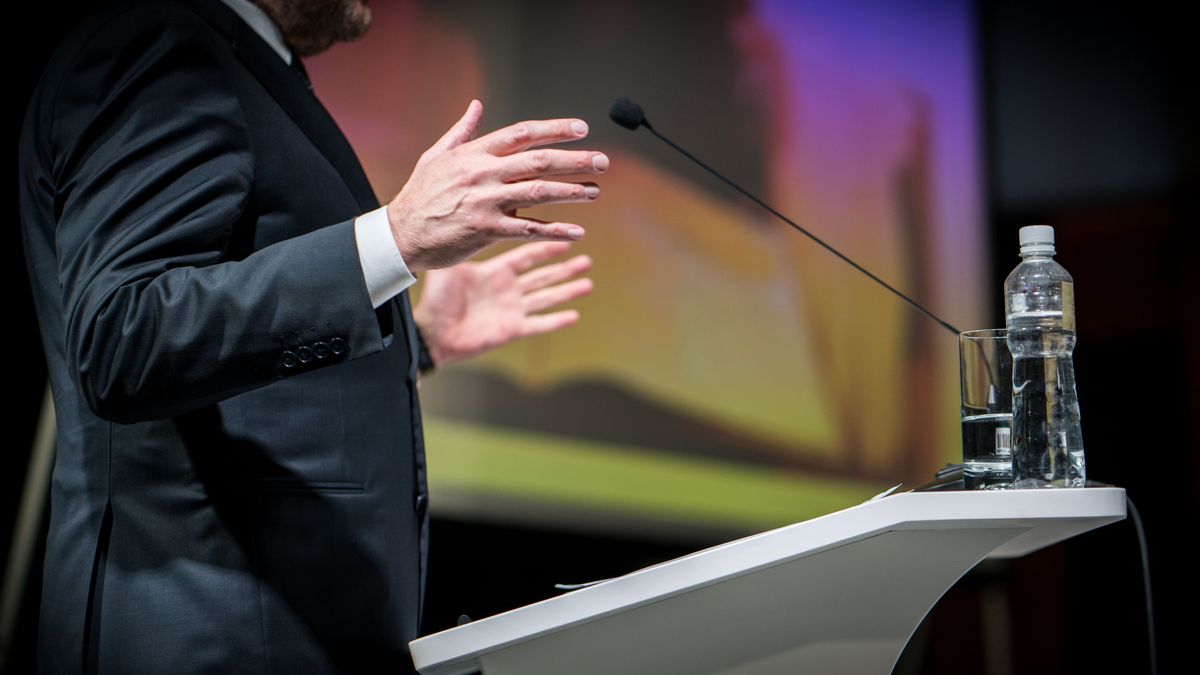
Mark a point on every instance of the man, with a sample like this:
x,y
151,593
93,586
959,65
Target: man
x,y
239,484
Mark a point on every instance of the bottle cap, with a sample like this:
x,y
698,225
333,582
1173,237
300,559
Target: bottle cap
x,y
1037,239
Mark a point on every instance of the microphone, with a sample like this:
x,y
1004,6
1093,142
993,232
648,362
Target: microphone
x,y
629,114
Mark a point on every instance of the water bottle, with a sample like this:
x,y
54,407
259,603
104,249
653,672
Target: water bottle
x,y
1039,303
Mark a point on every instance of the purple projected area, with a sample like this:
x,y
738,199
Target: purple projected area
x,y
727,373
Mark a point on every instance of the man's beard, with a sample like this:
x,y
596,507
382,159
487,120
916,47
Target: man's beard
x,y
311,26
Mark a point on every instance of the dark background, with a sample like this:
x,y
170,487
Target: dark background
x,y
1090,126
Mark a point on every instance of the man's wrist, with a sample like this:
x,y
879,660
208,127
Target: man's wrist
x,y
384,269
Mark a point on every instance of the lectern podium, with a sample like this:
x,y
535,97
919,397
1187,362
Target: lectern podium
x,y
837,594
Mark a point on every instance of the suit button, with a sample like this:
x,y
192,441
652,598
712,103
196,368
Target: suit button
x,y
305,355
288,359
338,346
320,349
422,501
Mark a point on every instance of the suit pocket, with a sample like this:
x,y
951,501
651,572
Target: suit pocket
x,y
91,626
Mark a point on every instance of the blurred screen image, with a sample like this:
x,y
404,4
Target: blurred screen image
x,y
728,375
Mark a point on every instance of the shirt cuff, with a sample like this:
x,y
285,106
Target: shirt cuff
x,y
383,266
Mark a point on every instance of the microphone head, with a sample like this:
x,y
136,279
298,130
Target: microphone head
x,y
628,114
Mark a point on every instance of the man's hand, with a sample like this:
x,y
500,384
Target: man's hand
x,y
472,307
464,194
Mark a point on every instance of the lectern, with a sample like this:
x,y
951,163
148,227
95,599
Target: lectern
x,y
837,594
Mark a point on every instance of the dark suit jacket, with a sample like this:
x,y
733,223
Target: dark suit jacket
x,y
239,484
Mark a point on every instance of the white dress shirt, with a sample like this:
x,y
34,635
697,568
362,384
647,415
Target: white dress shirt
x,y
383,267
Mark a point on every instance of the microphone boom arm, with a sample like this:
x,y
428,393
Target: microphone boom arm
x,y
629,115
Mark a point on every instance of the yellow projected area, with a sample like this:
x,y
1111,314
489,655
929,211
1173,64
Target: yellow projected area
x,y
544,470
696,308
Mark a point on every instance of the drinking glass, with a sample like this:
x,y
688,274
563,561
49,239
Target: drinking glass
x,y
986,376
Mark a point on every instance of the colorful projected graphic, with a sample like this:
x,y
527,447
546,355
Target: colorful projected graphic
x,y
728,374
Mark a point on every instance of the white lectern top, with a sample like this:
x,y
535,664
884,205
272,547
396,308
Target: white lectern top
x,y
837,594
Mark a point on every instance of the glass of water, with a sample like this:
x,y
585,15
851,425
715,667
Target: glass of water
x,y
986,373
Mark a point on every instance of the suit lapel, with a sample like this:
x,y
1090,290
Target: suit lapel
x,y
288,88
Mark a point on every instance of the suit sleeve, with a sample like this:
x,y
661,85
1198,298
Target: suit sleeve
x,y
153,170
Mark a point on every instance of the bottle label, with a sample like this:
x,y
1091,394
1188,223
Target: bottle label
x,y
1017,304
1003,441
1068,306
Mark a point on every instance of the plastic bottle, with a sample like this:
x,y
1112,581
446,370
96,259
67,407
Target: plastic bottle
x,y
1039,303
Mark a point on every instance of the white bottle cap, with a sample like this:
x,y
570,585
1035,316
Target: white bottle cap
x,y
1037,239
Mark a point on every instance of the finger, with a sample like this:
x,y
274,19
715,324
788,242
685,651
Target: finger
x,y
553,274
525,135
537,192
526,256
545,323
528,228
556,295
462,131
551,162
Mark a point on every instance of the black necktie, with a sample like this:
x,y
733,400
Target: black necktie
x,y
298,66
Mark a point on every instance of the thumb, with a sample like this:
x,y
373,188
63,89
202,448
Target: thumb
x,y
462,131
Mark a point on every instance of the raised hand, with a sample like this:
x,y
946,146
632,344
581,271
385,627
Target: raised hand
x,y
473,307
464,194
